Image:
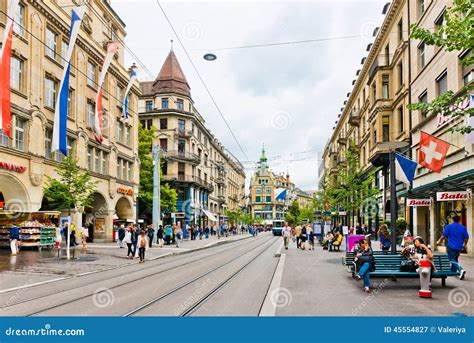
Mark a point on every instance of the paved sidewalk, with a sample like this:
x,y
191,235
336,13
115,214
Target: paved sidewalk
x,y
32,266
316,283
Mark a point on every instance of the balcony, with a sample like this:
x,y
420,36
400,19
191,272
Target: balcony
x,y
190,179
220,180
220,198
342,140
181,133
182,156
354,118
379,153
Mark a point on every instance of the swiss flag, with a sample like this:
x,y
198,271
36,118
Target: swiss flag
x,y
432,152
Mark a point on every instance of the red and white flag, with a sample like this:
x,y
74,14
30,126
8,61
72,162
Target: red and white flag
x,y
432,152
5,62
112,48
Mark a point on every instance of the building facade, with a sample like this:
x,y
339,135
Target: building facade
x,y
36,68
207,178
399,70
270,194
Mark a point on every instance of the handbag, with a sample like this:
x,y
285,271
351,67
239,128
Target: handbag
x,y
408,266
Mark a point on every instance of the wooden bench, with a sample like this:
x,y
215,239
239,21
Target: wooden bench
x,y
388,265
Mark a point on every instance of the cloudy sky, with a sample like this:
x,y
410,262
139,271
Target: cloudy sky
x,y
286,97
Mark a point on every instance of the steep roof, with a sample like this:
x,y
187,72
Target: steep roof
x,y
171,79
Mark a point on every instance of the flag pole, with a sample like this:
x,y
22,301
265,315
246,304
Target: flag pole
x,y
393,201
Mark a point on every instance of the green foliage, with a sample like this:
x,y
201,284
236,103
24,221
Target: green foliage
x,y
293,214
235,217
401,225
306,214
73,189
457,34
168,196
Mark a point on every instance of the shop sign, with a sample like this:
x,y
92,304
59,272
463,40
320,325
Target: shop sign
x,y
418,202
12,167
126,191
449,196
441,119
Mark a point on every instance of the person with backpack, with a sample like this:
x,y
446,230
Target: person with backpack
x,y
365,263
150,232
142,245
385,241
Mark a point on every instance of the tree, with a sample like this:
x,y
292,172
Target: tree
x,y
73,189
168,196
293,213
306,214
456,34
234,216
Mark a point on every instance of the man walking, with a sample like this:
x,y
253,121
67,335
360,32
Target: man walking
x,y
150,233
286,233
14,237
121,235
457,237
298,235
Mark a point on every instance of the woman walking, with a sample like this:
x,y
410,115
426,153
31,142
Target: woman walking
x,y
128,240
142,245
159,236
385,241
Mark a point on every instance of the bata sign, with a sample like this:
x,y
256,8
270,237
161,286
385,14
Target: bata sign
x,y
448,196
126,191
419,202
12,167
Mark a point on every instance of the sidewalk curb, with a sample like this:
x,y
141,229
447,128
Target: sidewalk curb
x,y
280,248
269,307
120,266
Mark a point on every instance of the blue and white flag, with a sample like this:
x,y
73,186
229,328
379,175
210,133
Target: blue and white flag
x,y
60,114
133,77
404,169
280,194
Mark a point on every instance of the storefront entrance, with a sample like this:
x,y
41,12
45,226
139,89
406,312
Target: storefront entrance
x,y
95,218
13,195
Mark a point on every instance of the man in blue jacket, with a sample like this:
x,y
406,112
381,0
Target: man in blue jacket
x,y
457,237
14,237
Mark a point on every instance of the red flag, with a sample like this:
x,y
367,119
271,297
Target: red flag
x,y
432,152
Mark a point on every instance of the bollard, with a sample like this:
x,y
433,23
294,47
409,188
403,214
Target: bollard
x,y
424,270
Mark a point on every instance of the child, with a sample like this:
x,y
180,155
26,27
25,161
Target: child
x,y
142,244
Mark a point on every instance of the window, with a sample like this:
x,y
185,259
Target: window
x,y
90,114
400,30
3,138
181,146
165,103
257,198
440,24
400,119
127,135
48,139
181,124
180,104
423,98
119,131
268,198
16,71
468,77
421,7
163,123
387,55
375,136
19,23
385,86
51,44
164,144
149,105
89,158
49,92
386,129
91,74
421,55
70,103
64,48
442,83
113,34
20,125
96,161
400,74
374,91
103,156
147,123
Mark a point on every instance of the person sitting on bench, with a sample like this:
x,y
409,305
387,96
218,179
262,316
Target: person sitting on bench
x,y
365,263
336,241
329,238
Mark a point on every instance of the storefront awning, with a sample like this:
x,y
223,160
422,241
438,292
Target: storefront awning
x,y
461,181
209,215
